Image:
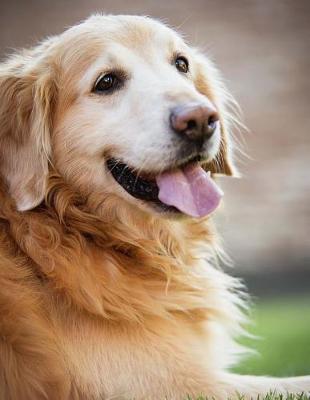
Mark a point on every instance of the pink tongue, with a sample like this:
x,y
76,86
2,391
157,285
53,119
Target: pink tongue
x,y
191,190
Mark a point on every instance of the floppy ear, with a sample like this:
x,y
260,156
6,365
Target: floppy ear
x,y
26,101
209,82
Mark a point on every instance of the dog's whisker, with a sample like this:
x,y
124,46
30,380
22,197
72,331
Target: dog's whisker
x,y
123,171
115,165
138,173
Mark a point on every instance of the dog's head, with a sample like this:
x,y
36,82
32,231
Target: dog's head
x,y
119,106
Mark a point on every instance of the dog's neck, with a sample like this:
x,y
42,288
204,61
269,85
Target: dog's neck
x,y
117,265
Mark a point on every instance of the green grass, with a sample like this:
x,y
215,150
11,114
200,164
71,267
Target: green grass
x,y
283,328
270,396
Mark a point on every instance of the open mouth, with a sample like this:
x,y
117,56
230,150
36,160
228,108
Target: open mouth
x,y
135,185
188,189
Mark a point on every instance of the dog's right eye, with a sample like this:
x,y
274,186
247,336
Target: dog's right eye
x,y
181,64
106,83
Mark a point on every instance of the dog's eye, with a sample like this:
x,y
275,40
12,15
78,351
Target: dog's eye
x,y
106,83
181,64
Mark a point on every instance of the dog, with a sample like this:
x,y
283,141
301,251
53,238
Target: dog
x,y
111,135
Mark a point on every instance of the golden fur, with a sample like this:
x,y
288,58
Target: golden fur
x,y
101,297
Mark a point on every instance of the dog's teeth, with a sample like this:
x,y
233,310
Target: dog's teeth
x,y
209,173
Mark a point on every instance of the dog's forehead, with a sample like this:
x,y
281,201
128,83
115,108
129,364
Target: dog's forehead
x,y
117,37
132,31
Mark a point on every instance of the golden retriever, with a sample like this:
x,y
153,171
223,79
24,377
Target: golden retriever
x,y
108,276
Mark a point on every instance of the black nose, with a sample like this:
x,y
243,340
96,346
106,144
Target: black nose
x,y
196,121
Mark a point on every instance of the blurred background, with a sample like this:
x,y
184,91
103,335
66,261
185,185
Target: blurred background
x,y
263,50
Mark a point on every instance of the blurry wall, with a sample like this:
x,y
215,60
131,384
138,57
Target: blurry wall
x,y
263,50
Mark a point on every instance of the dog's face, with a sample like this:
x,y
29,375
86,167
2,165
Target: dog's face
x,y
134,110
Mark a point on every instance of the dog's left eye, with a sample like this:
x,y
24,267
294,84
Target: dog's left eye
x,y
106,83
181,64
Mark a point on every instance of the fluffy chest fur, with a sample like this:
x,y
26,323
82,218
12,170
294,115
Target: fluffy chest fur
x,y
116,319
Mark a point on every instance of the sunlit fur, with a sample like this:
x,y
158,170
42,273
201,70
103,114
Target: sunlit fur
x,y
102,297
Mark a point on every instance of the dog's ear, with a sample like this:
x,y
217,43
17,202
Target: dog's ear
x,y
208,81
27,94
